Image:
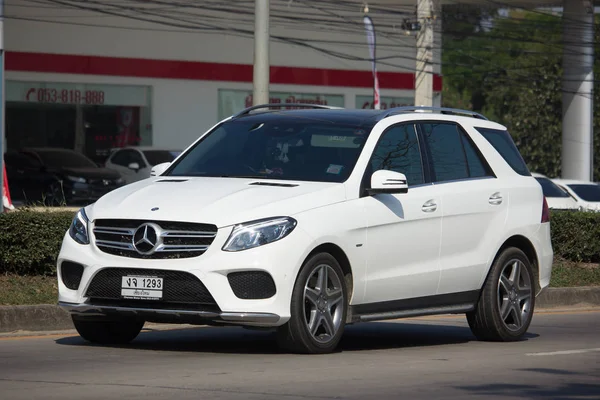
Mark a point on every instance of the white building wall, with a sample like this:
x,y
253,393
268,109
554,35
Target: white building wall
x,y
183,109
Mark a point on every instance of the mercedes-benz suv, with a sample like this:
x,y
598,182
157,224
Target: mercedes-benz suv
x,y
305,220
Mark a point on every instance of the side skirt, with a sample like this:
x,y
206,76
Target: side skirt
x,y
452,303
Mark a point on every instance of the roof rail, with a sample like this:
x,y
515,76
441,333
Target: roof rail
x,y
281,105
441,110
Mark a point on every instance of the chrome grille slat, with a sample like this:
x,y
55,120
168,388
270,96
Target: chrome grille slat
x,y
182,234
114,245
190,247
115,231
175,239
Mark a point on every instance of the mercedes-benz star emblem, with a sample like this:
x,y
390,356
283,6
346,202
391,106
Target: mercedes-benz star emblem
x,y
145,239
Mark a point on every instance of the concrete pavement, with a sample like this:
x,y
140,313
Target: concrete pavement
x,y
421,358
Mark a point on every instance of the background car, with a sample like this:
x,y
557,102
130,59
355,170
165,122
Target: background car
x,y
57,176
557,198
586,193
135,163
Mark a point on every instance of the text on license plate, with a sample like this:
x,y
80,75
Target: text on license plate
x,y
142,287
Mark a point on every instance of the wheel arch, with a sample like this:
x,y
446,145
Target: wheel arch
x,y
522,243
340,255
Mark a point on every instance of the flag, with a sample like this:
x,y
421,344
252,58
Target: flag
x,y
7,203
370,29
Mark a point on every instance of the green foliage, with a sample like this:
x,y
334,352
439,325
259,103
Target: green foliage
x,y
513,74
30,241
576,235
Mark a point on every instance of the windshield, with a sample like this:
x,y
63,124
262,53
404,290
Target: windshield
x,y
550,189
590,192
287,148
156,157
65,159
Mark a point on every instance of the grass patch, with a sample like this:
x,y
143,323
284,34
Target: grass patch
x,y
571,274
21,290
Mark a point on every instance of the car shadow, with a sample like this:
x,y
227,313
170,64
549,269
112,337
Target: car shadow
x,y
360,337
565,391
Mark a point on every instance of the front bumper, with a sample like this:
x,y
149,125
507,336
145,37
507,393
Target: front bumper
x,y
172,316
281,260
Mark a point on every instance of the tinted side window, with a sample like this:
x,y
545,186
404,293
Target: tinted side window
x,y
136,157
478,167
120,158
503,143
550,189
453,155
398,150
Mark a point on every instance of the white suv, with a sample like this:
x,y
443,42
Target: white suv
x,y
309,219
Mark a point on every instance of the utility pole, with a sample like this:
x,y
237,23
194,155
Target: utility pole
x,y
261,52
578,90
426,16
2,108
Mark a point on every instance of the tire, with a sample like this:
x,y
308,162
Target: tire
x,y
317,317
108,332
508,294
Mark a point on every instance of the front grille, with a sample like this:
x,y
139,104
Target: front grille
x,y
174,239
181,290
252,285
71,273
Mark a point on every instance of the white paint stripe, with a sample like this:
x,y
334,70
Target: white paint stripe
x,y
564,352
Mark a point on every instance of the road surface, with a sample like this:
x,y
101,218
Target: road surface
x,y
422,358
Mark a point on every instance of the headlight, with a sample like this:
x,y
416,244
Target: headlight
x,y
256,233
79,228
77,179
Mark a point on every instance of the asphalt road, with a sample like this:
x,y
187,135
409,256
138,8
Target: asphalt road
x,y
426,358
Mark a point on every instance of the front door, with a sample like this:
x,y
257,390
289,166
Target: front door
x,y
404,230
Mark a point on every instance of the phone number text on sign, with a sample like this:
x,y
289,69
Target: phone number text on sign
x,y
65,96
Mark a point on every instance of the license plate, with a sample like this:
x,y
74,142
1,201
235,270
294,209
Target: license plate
x,y
142,287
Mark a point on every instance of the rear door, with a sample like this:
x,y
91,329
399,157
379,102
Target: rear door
x,y
475,205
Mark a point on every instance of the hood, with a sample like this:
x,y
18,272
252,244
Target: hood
x,y
92,173
219,201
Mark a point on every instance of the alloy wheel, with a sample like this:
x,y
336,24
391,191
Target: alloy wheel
x,y
323,303
514,294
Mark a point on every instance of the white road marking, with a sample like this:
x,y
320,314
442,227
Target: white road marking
x,y
564,352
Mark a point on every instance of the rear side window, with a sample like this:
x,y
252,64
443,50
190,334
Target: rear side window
x,y
503,143
452,155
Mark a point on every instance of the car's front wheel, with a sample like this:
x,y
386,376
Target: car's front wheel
x,y
506,304
318,307
102,331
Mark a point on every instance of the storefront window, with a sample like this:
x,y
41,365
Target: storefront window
x,y
386,102
88,118
233,101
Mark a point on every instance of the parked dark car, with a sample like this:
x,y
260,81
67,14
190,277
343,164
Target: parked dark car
x,y
55,176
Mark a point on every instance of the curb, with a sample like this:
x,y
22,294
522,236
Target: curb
x,y
43,317
568,297
48,317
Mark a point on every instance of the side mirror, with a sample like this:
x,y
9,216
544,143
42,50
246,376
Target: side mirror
x,y
134,166
158,169
384,181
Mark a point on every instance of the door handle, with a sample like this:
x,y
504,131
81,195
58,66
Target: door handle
x,y
495,199
429,206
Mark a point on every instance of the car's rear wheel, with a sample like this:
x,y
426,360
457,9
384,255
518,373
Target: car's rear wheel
x,y
102,331
318,308
507,301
